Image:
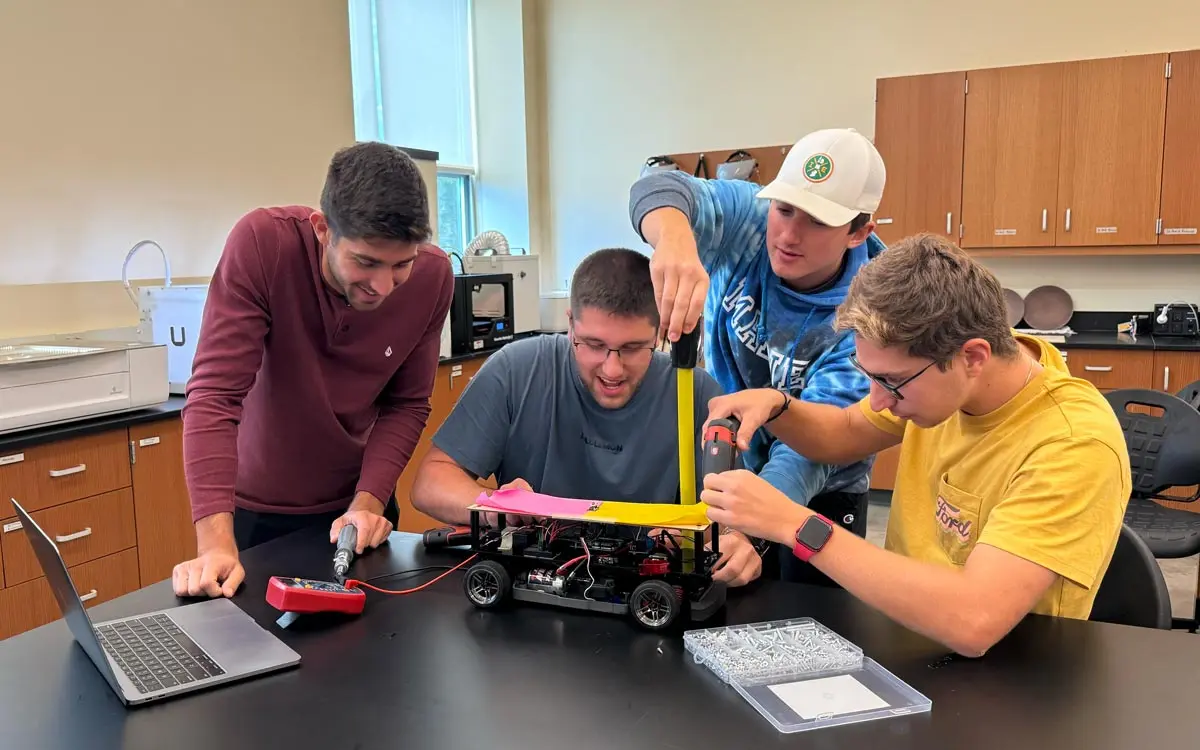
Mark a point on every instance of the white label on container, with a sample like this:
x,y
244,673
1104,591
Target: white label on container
x,y
1106,230
15,458
1180,230
14,526
148,441
1006,232
826,697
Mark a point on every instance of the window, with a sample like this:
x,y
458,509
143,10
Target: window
x,y
413,84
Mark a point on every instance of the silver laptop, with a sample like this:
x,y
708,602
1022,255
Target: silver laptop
x,y
162,654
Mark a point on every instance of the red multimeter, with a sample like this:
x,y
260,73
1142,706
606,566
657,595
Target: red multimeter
x,y
305,596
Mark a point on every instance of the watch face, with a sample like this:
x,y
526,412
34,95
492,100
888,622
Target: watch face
x,y
814,533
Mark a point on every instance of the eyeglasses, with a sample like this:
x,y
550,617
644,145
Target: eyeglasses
x,y
894,390
599,352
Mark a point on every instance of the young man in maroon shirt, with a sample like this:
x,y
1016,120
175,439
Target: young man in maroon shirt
x,y
316,359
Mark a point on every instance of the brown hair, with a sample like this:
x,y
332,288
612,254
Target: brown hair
x,y
926,293
615,280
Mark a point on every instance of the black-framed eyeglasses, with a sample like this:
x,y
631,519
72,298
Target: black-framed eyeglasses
x,y
893,389
600,352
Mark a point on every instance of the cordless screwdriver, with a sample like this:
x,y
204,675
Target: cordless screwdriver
x,y
344,555
720,446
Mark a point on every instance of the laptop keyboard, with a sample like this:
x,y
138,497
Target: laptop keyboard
x,y
155,654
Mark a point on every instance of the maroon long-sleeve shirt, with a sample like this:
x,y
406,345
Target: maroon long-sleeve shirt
x,y
297,401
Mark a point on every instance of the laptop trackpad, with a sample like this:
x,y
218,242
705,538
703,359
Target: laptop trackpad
x,y
231,637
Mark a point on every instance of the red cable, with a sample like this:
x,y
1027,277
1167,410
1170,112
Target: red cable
x,y
353,583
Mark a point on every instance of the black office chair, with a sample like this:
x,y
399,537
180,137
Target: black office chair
x,y
1191,394
1164,452
1133,591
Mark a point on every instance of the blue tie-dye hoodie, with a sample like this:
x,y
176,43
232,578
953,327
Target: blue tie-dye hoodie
x,y
758,333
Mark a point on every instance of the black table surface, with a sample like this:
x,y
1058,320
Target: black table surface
x,y
428,670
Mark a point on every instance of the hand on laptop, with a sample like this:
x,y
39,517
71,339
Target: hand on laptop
x,y
217,572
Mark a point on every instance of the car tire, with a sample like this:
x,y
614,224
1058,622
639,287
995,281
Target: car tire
x,y
654,604
487,584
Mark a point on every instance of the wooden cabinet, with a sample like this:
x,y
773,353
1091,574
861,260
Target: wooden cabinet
x,y
883,473
165,533
1011,156
1181,152
1110,169
31,604
1055,158
1174,370
919,134
116,505
1110,369
452,379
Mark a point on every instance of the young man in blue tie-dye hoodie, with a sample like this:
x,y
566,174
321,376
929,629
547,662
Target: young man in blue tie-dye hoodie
x,y
780,260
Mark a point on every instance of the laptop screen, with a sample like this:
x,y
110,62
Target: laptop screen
x,y
64,591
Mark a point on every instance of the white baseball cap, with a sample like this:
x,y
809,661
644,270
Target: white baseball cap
x,y
832,175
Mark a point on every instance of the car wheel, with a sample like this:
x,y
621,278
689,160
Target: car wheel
x,y
654,604
487,584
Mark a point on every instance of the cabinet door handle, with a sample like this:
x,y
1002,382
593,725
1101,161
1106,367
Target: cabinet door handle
x,y
1067,223
1098,368
66,472
1045,212
73,537
89,595
1166,378
948,215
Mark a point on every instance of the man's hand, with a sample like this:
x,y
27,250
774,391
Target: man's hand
x,y
752,408
510,519
680,281
366,514
217,572
739,563
744,501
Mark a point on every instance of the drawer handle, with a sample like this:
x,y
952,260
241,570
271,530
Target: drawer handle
x,y
89,595
66,472
73,537
1098,368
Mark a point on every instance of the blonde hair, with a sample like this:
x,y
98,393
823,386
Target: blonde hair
x,y
927,294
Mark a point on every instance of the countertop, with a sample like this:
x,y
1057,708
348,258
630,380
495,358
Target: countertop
x,y
428,670
1114,340
19,439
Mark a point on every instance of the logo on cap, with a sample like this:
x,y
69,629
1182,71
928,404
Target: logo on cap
x,y
818,168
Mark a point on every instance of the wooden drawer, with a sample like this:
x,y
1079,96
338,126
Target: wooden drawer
x,y
32,604
57,473
83,530
1109,369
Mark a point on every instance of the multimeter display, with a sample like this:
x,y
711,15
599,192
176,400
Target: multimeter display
x,y
290,594
305,583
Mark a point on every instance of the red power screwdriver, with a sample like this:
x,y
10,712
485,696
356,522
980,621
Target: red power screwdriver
x,y
720,446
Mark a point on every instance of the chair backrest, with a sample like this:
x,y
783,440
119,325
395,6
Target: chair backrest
x,y
1133,591
1191,393
1164,447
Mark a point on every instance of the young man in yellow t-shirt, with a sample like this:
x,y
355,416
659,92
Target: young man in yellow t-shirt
x,y
1013,475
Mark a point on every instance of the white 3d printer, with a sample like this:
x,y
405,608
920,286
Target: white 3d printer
x,y
67,377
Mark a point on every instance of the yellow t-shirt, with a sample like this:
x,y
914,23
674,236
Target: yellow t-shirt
x,y
1045,477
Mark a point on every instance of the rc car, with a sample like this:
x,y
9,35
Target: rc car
x,y
656,576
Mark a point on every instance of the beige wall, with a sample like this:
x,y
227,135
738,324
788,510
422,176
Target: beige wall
x,y
627,79
134,119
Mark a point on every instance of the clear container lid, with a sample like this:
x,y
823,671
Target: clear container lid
x,y
801,675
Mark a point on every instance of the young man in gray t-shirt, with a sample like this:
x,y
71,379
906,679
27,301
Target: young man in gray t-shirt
x,y
589,415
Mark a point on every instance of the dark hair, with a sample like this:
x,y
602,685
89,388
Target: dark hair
x,y
858,222
375,191
617,281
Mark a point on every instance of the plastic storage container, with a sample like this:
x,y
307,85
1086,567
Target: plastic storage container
x,y
801,675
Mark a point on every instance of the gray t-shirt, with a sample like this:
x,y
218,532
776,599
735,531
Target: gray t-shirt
x,y
527,414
